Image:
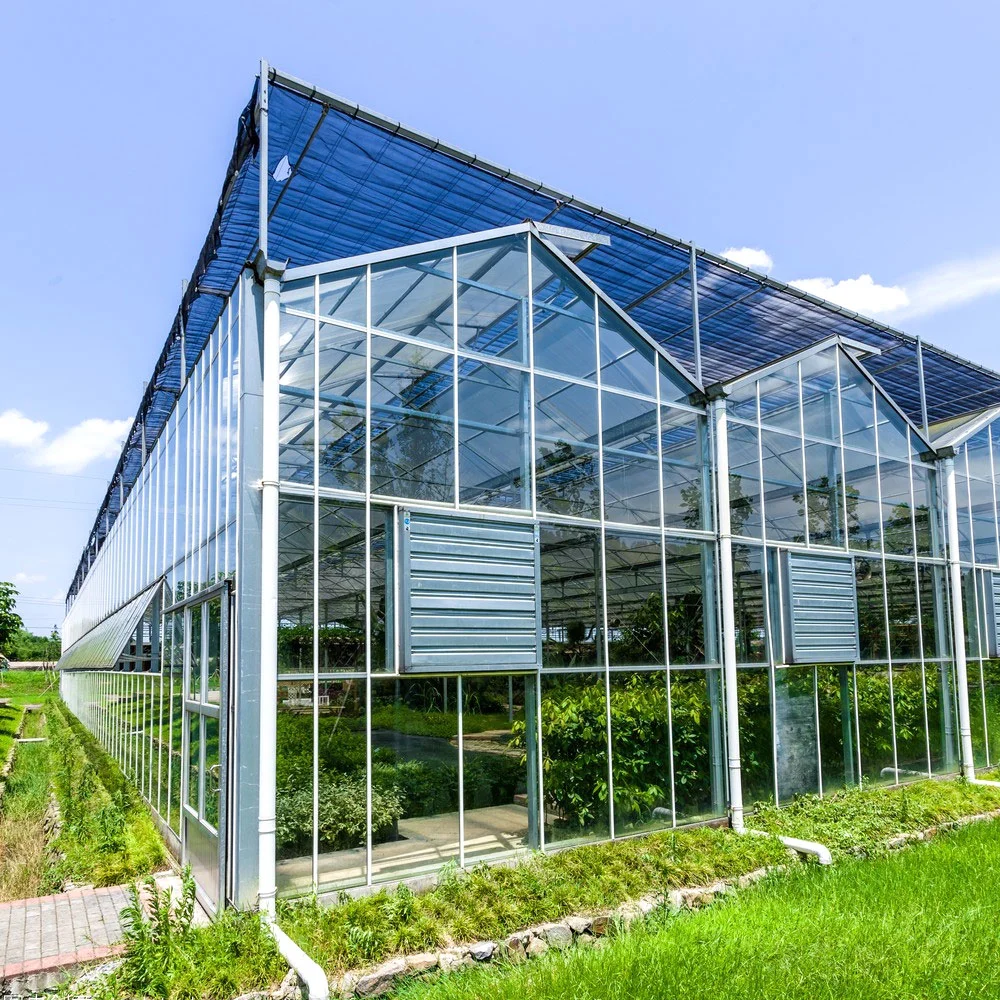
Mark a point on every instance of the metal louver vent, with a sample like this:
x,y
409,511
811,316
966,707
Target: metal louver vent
x,y
469,593
823,608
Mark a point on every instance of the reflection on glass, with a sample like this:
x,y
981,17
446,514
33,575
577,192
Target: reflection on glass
x,y
797,738
756,736
627,360
415,767
195,657
294,776
295,585
213,772
341,570
837,737
748,604
341,405
493,298
572,611
687,496
563,319
342,296
874,711
823,479
413,297
194,760
942,717
908,712
634,577
640,752
784,512
871,608
687,571
744,481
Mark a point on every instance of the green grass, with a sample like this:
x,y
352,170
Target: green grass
x,y
10,719
863,820
26,687
488,902
917,924
23,856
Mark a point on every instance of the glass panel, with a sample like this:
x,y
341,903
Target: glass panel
x,y
699,763
295,585
756,737
194,759
874,723
631,476
977,712
414,297
984,528
863,514
857,407
493,445
572,613
640,752
784,512
341,822
687,498
964,518
797,738
893,433
412,421
744,481
687,567
194,636
871,608
497,770
575,758
897,520
299,294
748,604
297,384
819,395
904,621
493,298
382,636
342,296
933,611
911,730
215,664
837,737
823,480
779,399
341,408
294,776
341,614
634,572
977,449
627,360
213,772
415,761
566,448
564,335
991,696
942,717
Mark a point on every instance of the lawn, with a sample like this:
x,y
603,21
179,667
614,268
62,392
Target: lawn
x,y
920,923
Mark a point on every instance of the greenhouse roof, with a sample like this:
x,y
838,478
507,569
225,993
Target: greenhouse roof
x,y
344,181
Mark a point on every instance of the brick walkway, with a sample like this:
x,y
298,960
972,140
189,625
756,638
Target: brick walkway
x,y
53,932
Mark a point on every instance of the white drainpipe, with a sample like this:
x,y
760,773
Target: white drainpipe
x,y
957,617
310,972
718,411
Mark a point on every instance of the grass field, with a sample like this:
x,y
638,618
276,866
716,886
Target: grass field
x,y
917,924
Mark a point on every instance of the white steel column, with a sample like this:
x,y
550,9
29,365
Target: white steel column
x,y
718,411
947,467
271,276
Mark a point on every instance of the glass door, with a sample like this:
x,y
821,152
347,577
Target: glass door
x,y
206,683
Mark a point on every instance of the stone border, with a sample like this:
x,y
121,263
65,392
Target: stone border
x,y
581,930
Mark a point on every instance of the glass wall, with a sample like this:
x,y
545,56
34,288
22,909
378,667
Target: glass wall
x,y
821,461
488,376
177,525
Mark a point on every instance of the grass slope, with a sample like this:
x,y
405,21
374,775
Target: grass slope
x,y
917,924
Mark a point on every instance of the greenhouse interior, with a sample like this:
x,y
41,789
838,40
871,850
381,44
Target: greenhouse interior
x,y
461,518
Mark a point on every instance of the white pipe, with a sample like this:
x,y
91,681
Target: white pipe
x,y
268,750
957,619
718,411
305,968
983,781
819,851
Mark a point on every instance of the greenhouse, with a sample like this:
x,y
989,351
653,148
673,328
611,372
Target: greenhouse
x,y
461,519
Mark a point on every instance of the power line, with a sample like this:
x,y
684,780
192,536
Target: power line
x,y
60,475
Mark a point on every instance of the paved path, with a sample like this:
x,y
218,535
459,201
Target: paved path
x,y
52,932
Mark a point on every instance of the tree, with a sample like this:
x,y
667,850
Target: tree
x,y
10,620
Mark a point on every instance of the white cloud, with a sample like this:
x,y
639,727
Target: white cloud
x,y
752,257
88,441
29,578
953,284
20,431
861,295
69,452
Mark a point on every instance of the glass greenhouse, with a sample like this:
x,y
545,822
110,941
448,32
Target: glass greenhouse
x,y
461,518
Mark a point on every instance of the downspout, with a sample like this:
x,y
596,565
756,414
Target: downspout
x,y
301,964
957,618
717,408
270,275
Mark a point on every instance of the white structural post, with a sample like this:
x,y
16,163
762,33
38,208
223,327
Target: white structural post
x,y
957,616
718,411
270,275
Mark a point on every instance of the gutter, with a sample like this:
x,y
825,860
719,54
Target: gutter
x,y
304,967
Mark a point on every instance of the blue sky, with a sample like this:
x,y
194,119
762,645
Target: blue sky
x,y
850,146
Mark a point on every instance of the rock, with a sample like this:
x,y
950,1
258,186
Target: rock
x,y
454,958
647,904
345,986
290,987
579,925
514,948
258,995
599,925
557,935
628,912
381,979
535,947
482,951
424,962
